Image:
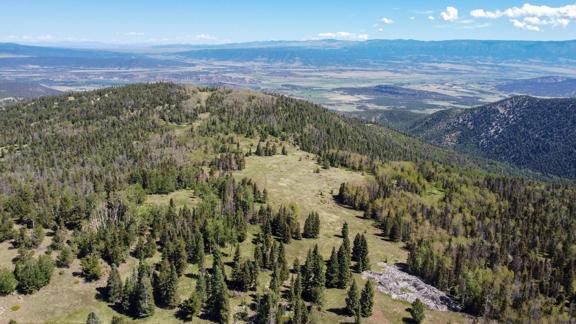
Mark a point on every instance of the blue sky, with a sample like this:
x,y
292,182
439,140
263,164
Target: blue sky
x,y
221,21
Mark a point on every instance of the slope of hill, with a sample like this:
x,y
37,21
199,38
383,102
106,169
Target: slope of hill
x,y
539,134
163,203
24,89
552,86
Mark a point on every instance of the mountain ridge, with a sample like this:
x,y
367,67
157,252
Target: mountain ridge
x,y
525,131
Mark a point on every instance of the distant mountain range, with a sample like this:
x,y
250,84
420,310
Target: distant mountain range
x,y
533,133
16,55
373,51
552,86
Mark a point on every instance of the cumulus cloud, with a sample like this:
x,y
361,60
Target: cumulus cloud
x,y
532,17
431,18
451,14
386,21
344,36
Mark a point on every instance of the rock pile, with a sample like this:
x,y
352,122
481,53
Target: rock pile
x,y
401,285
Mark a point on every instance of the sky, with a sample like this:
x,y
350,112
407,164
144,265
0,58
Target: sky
x,y
228,21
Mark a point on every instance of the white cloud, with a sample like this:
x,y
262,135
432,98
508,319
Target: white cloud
x,y
523,25
344,36
451,14
431,18
531,17
31,38
206,37
412,18
387,21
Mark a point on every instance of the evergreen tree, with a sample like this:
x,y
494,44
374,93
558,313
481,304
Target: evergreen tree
x,y
91,269
352,299
37,235
312,226
265,309
143,298
367,299
166,285
417,311
314,280
8,282
343,267
114,286
65,257
356,248
332,270
93,319
191,307
218,303
363,261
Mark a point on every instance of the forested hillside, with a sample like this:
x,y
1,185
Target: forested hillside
x,y
80,174
532,133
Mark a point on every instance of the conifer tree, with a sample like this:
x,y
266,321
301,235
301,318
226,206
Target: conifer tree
x,y
343,267
352,300
332,270
91,269
265,309
93,319
417,311
65,257
166,285
367,299
143,298
114,286
191,307
218,302
363,261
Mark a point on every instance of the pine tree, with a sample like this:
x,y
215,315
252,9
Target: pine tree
x,y
91,269
143,298
282,263
218,302
93,319
265,309
312,226
332,270
363,261
191,307
417,311
166,285
65,257
343,267
367,299
352,300
8,282
356,248
114,286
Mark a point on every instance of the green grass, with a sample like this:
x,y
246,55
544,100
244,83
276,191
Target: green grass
x,y
288,179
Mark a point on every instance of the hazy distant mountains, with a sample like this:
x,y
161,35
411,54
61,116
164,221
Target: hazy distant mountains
x,y
553,86
539,134
351,53
16,55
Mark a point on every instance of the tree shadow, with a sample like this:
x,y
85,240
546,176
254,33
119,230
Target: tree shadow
x,y
340,311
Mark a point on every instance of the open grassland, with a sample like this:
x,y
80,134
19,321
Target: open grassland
x,y
292,179
289,179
